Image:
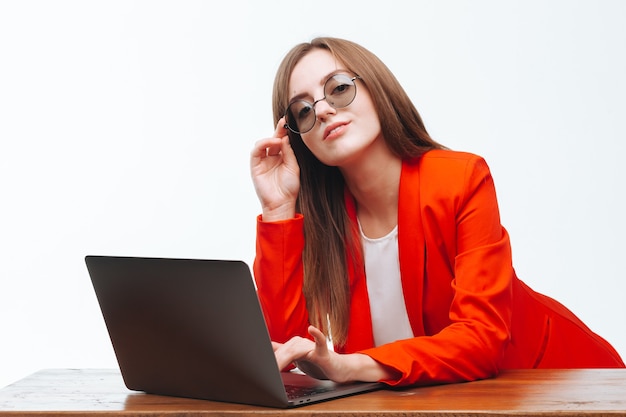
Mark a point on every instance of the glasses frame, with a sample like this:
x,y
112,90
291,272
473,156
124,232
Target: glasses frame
x,y
297,132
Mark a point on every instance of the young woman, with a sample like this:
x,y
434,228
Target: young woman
x,y
380,254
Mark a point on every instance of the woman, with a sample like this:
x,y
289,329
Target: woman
x,y
378,241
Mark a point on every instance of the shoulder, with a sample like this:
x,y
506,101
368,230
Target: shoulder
x,y
444,175
448,164
448,157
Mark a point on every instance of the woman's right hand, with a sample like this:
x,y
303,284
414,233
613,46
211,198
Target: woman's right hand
x,y
276,175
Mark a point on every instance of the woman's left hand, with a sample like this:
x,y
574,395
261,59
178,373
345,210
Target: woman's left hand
x,y
310,356
315,359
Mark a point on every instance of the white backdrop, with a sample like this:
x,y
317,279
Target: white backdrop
x,y
126,127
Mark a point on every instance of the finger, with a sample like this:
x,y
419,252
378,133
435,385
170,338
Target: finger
x,y
265,147
275,145
289,155
281,128
282,361
293,349
284,353
320,338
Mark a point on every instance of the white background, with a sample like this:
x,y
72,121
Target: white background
x,y
126,128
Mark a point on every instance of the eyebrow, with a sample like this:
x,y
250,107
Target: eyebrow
x,y
322,82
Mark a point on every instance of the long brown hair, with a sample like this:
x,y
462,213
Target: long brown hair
x,y
329,234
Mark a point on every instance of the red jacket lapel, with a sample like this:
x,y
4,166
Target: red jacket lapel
x,y
411,245
412,261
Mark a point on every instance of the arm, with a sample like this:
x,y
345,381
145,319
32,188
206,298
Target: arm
x,y
279,277
280,240
462,229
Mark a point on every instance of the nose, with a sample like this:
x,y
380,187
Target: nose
x,y
323,109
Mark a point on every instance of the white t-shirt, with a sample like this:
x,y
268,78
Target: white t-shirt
x,y
390,321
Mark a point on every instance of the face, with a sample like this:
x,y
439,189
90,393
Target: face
x,y
340,136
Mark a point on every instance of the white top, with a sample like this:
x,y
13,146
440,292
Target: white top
x,y
390,321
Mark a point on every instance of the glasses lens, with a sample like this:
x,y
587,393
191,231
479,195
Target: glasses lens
x,y
340,91
300,116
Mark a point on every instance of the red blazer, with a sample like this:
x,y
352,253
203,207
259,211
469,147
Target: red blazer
x,y
470,314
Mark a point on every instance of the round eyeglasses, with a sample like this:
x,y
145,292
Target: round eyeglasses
x,y
339,92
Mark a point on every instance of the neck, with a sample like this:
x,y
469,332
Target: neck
x,y
374,184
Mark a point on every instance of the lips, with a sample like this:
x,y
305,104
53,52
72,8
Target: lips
x,y
334,130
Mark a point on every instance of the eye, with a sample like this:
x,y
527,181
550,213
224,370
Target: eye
x,y
340,89
303,110
338,85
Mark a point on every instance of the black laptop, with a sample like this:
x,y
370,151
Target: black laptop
x,y
194,328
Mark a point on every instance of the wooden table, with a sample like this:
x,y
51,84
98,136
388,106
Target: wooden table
x,y
590,392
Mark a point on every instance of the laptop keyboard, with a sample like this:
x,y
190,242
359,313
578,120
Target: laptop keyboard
x,y
298,391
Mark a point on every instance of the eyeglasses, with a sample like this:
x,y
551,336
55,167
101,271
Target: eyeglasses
x,y
339,92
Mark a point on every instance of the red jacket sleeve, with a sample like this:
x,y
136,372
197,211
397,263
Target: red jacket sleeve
x,y
279,277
